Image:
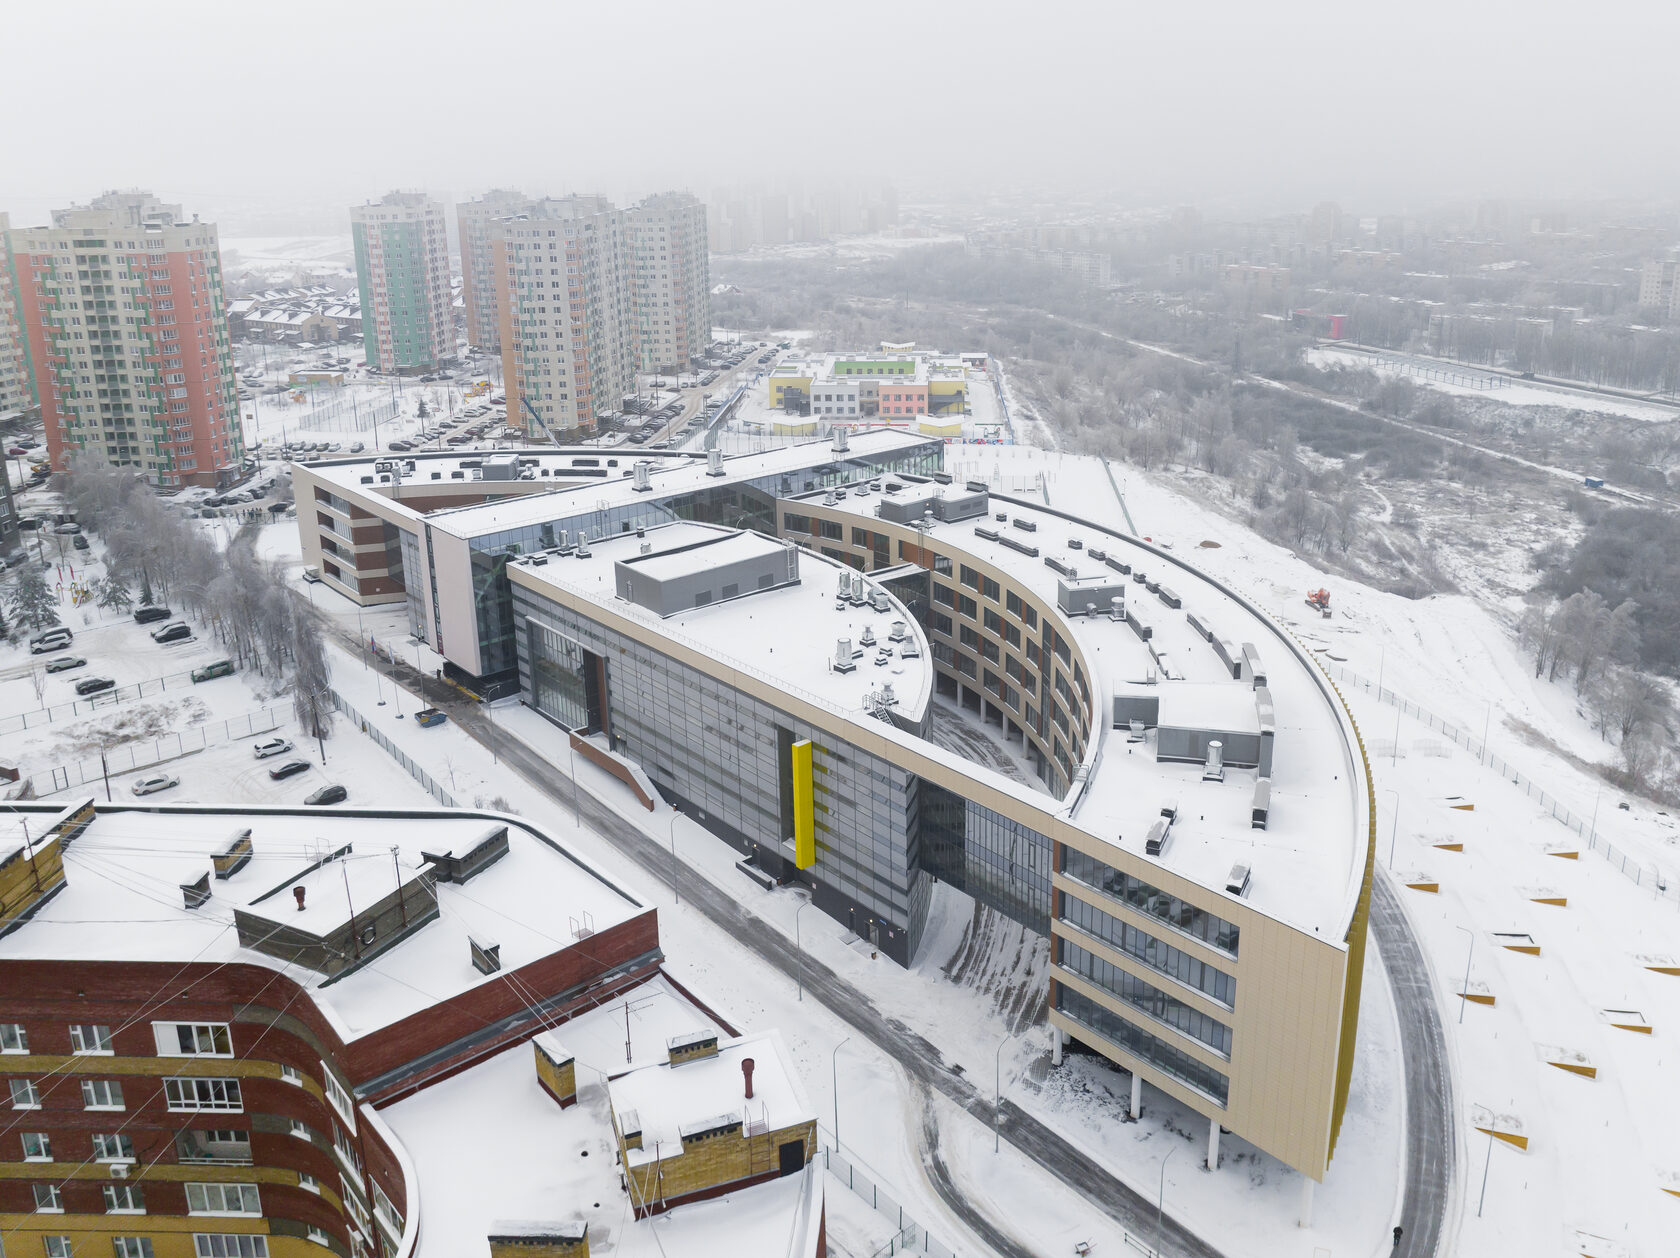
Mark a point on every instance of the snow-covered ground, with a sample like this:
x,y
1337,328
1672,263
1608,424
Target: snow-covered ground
x,y
1526,393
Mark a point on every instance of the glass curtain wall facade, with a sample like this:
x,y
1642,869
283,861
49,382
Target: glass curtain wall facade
x,y
722,755
746,504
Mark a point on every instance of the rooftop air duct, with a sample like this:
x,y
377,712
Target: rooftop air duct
x,y
843,656
714,462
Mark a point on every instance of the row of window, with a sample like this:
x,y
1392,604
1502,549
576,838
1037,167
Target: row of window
x,y
1147,997
1181,915
173,1039
207,1199
1141,945
1146,1047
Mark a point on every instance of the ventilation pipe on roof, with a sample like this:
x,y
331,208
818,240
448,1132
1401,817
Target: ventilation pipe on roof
x,y
642,471
867,638
879,600
298,893
897,632
747,1071
840,444
843,656
1214,769
1117,608
887,696
858,594
714,462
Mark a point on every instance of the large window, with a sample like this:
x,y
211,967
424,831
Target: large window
x,y
48,1199
193,1039
223,1199
338,1095
13,1038
1138,1042
102,1094
37,1146
25,1095
113,1147
123,1199
235,1245
1147,998
90,1038
188,1095
1181,915
1173,962
131,1247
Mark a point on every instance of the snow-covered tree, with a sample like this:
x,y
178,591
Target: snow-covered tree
x,y
32,603
114,594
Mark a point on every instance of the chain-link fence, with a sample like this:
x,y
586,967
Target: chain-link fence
x,y
414,771
130,756
909,1236
86,707
1642,872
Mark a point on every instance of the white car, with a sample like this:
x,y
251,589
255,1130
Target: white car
x,y
273,747
158,782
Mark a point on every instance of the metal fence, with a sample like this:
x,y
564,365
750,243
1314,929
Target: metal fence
x,y
1642,872
414,771
86,707
130,756
909,1236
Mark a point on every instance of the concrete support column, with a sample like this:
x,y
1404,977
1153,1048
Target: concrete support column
x,y
1137,1096
1306,1201
1055,1046
1213,1144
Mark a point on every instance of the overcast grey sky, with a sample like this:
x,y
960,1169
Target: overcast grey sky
x,y
1266,103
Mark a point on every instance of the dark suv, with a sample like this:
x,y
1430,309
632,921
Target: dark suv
x,y
146,615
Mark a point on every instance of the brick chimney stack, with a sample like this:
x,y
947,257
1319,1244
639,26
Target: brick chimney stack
x,y
747,1069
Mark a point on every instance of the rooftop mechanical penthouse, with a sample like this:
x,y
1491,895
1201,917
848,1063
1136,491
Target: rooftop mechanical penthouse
x,y
1189,821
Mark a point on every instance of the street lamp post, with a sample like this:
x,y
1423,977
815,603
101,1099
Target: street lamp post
x,y
1464,995
997,1092
1161,1198
799,946
834,1068
676,894
1394,829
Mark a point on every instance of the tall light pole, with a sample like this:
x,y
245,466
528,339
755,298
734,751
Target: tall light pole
x,y
1394,829
834,1069
676,894
1464,995
799,946
997,1092
1161,1198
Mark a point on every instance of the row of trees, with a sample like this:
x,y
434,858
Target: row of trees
x,y
153,554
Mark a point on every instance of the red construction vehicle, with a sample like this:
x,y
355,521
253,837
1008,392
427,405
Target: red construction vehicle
x,y
1319,599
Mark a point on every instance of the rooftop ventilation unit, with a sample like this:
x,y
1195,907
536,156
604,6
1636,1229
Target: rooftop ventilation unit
x,y
1214,769
868,637
878,600
908,649
1262,804
196,895
1117,608
486,958
897,632
830,498
840,445
582,551
234,857
860,590
843,656
887,695
1002,517
1159,833
1236,882
643,473
714,462
1134,731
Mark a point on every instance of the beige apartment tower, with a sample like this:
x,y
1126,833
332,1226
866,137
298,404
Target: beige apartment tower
x,y
671,279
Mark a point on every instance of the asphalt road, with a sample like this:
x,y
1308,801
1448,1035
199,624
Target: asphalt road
x,y
1429,1105
919,1058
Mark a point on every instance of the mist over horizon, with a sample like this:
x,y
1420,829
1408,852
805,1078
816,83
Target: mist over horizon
x,y
1236,109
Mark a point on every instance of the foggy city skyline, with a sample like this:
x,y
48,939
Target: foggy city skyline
x,y
1241,109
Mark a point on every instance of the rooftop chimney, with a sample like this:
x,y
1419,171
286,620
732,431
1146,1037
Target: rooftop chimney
x,y
299,893
714,462
747,1069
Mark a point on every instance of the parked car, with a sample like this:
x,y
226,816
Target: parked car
x,y
52,640
291,768
430,716
175,631
311,574
155,783
93,685
64,663
271,747
328,795
79,542
218,668
68,528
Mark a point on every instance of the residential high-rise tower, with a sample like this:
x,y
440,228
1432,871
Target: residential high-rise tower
x,y
402,267
124,324
478,280
671,280
17,391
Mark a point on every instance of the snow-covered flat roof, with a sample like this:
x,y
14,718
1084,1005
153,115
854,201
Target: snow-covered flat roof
x,y
1308,863
720,548
580,478
124,901
786,635
535,1170
665,1102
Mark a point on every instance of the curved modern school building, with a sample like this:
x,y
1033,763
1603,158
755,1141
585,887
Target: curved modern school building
x,y
1151,770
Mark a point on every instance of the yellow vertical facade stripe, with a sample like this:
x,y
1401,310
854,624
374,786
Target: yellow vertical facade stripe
x,y
804,817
